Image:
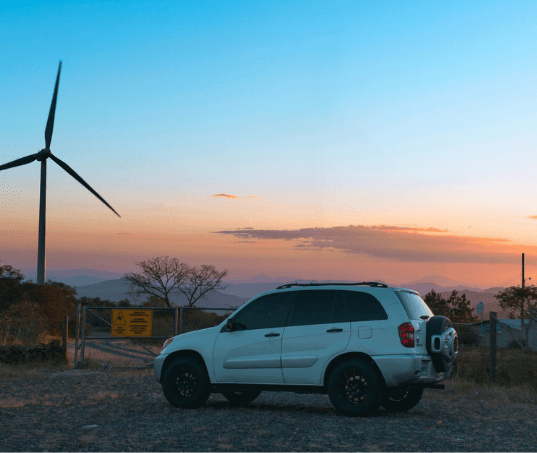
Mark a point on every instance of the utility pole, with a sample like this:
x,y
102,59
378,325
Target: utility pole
x,y
522,271
523,300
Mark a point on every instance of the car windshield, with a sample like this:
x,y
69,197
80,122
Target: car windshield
x,y
414,305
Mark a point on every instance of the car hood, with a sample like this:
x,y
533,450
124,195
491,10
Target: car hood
x,y
191,339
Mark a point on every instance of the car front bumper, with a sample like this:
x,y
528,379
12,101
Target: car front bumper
x,y
157,367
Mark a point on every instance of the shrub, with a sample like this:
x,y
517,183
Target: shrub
x,y
23,322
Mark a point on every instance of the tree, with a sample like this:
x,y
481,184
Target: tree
x,y
56,298
520,303
199,281
159,277
460,310
438,305
456,308
10,282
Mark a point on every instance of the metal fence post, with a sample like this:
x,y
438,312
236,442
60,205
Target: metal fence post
x,y
77,331
180,320
492,342
83,335
176,320
65,333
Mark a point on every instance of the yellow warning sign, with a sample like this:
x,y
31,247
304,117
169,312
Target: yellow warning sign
x,y
131,323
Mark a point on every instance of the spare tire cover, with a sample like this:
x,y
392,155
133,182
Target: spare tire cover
x,y
435,326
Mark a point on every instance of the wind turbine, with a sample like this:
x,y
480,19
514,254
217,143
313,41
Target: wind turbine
x,y
42,156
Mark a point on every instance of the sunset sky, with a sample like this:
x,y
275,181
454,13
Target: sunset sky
x,y
328,140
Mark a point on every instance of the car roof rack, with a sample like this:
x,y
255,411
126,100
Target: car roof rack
x,y
372,284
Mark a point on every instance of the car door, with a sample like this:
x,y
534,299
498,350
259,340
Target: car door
x,y
371,330
317,330
251,353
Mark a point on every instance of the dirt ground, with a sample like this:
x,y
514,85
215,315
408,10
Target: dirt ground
x,y
124,410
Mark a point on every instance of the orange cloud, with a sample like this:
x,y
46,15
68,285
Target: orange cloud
x,y
225,195
405,244
532,217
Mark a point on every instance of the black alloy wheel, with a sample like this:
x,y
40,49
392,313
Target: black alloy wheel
x,y
185,383
355,388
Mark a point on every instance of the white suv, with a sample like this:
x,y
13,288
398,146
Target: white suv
x,y
364,344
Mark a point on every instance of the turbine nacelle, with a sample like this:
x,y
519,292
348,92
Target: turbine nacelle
x,y
43,154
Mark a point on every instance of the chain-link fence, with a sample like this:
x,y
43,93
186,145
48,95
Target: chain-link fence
x,y
133,336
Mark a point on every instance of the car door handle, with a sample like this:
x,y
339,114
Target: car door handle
x,y
272,335
335,330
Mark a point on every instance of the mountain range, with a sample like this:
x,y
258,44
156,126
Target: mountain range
x,y
239,291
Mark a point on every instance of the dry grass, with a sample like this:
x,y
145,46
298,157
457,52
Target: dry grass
x,y
457,388
513,369
30,370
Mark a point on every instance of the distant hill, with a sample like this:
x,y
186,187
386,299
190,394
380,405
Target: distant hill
x,y
115,290
78,280
424,288
249,290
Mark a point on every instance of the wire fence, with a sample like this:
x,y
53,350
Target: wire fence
x,y
133,336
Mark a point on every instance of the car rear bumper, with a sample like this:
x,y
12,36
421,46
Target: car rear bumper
x,y
408,369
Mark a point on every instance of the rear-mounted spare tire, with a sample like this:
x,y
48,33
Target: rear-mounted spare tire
x,y
442,343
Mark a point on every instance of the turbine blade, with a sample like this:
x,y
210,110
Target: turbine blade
x,y
19,162
69,170
52,111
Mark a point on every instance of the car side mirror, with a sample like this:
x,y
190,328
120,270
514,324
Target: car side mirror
x,y
230,324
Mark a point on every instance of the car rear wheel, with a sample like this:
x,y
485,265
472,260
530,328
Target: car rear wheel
x,y
185,383
402,399
241,397
355,388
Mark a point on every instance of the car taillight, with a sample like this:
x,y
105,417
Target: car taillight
x,y
406,335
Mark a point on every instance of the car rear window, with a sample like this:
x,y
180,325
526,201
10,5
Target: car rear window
x,y
413,304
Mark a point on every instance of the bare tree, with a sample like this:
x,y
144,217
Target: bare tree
x,y
159,277
199,281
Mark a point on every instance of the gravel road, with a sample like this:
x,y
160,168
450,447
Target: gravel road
x,y
112,410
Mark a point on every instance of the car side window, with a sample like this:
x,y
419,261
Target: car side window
x,y
317,307
364,307
267,312
339,311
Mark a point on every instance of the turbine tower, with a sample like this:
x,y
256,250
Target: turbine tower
x,y
42,156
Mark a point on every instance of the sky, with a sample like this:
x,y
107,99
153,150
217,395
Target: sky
x,y
325,140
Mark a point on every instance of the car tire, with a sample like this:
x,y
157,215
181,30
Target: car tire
x,y
355,388
240,398
185,383
402,400
436,326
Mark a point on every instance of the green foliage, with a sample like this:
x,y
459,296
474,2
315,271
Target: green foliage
x,y
519,302
456,308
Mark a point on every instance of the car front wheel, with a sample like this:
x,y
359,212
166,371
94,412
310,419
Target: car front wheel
x,y
402,400
185,383
355,388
